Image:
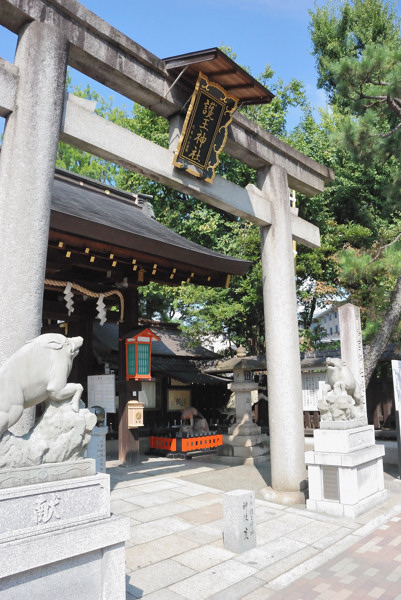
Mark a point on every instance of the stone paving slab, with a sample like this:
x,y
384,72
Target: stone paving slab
x,y
275,570
204,534
176,550
166,594
159,528
206,514
198,501
138,556
239,590
156,577
121,507
152,513
153,499
207,583
268,554
204,557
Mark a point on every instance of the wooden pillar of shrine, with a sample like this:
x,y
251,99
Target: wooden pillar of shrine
x,y
128,440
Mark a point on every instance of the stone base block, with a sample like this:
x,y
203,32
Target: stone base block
x,y
58,540
283,497
80,562
247,441
244,447
344,440
337,425
236,461
243,429
347,511
345,472
31,510
47,472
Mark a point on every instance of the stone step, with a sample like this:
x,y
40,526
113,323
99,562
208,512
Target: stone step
x,y
246,440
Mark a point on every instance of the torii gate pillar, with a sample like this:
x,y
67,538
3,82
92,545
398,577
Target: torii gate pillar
x,y
27,162
288,471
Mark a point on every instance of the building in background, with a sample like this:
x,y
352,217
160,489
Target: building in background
x,y
329,321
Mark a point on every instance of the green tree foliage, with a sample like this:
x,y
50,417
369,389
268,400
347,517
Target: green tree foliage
x,y
235,312
373,272
343,30
358,51
341,214
273,117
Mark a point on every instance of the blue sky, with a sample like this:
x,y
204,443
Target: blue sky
x,y
260,32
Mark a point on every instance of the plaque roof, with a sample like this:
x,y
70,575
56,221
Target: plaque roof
x,y
220,69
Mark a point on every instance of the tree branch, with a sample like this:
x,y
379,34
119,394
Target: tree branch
x,y
395,240
383,136
373,104
379,83
394,105
376,98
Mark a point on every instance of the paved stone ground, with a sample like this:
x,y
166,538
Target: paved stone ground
x,y
176,550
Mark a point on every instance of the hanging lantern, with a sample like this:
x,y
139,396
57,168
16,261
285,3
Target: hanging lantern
x,y
138,355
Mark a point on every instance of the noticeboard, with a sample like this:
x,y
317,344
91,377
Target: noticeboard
x,y
396,368
312,390
102,392
205,129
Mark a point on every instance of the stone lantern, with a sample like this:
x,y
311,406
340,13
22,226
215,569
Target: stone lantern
x,y
242,386
244,442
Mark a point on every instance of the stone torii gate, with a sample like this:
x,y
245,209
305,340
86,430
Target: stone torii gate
x,y
56,33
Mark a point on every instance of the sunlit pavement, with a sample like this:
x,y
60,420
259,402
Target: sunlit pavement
x,y
176,547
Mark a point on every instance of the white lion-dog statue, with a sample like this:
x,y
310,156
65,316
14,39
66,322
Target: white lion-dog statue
x,y
36,373
341,393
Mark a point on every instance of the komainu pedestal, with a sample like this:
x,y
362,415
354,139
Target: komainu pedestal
x,y
345,472
57,536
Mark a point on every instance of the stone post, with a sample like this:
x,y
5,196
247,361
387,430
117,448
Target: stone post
x,y
239,533
288,472
352,346
26,177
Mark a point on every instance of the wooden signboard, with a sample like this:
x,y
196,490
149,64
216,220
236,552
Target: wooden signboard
x,y
205,129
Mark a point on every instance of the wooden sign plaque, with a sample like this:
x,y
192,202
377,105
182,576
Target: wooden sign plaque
x,y
205,129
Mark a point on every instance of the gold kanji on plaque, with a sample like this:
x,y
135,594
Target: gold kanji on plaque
x,y
205,129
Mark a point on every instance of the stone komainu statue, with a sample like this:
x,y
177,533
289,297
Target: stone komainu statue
x,y
36,373
341,394
339,377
